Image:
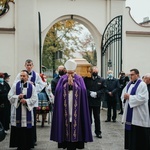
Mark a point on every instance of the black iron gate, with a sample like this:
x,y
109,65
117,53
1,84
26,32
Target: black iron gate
x,y
40,43
111,47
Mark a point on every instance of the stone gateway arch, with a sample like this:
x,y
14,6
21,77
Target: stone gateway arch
x,y
19,33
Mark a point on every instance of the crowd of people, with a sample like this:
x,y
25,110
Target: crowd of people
x,y
75,102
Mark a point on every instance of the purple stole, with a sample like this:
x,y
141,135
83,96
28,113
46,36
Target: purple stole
x,y
19,109
33,77
130,110
71,135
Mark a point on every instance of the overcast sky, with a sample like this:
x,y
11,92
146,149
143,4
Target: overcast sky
x,y
139,9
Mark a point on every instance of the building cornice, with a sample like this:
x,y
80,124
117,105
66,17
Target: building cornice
x,y
7,30
140,33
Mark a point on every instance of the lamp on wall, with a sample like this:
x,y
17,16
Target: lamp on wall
x,y
71,17
109,63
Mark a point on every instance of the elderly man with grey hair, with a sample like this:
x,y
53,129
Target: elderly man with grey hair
x,y
112,88
61,72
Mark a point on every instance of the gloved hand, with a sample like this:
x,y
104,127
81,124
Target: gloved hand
x,y
93,94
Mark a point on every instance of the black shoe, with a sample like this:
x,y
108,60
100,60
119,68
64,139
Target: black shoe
x,y
35,144
99,136
114,120
107,120
120,113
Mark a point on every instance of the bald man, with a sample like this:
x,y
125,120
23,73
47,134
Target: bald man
x,y
61,72
95,88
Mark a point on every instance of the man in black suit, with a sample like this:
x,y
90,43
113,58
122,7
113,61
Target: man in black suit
x,y
123,80
112,88
95,90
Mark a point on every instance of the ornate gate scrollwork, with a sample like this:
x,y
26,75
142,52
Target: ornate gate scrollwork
x,y
111,47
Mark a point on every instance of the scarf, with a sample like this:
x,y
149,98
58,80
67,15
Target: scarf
x,y
19,109
130,110
33,77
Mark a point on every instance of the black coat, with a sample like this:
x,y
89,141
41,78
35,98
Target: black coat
x,y
123,80
4,89
4,111
54,84
112,85
148,87
96,85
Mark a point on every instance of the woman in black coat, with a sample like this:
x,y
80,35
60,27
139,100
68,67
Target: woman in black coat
x,y
4,102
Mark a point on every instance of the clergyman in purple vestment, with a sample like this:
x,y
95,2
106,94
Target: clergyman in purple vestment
x,y
71,126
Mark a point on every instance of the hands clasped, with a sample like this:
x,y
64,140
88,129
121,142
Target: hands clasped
x,y
21,99
21,96
126,96
93,94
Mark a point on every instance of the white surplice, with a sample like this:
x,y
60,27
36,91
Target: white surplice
x,y
139,103
13,98
39,84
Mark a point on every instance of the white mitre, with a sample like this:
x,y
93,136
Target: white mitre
x,y
70,65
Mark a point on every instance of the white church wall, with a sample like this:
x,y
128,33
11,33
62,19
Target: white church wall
x,y
136,54
7,20
7,54
23,43
135,44
26,35
102,10
23,17
94,12
130,24
7,42
117,8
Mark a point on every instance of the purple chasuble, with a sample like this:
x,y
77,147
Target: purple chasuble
x,y
80,125
19,109
130,110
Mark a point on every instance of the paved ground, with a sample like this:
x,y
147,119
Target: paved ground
x,y
113,137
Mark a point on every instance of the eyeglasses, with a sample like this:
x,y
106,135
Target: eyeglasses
x,y
29,65
132,74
